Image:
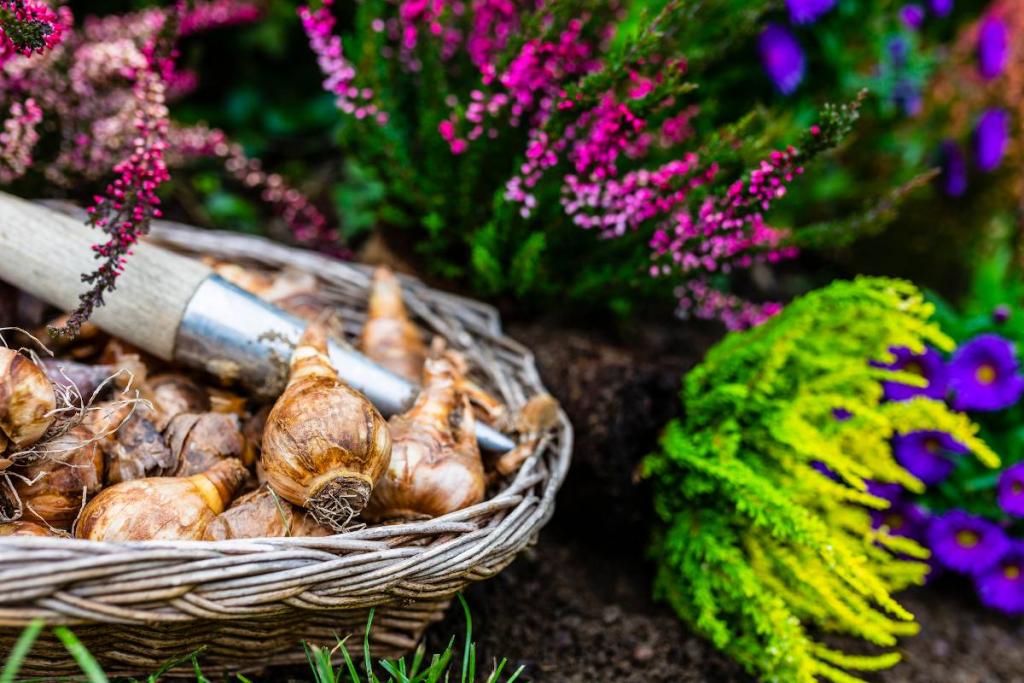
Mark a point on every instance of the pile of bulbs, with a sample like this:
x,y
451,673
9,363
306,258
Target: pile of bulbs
x,y
180,460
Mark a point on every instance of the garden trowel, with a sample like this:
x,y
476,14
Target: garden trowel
x,y
179,310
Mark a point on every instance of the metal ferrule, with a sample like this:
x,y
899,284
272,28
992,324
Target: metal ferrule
x,y
242,339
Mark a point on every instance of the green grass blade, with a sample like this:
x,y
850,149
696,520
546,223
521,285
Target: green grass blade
x,y
397,675
86,662
496,674
242,679
171,663
367,661
20,651
417,660
353,672
467,646
200,678
516,675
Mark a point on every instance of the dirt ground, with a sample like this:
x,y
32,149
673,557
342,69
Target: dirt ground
x,y
577,607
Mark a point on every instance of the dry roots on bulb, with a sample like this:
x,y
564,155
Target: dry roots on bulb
x,y
82,380
161,508
200,441
324,444
435,460
133,447
263,514
27,400
52,488
24,529
389,338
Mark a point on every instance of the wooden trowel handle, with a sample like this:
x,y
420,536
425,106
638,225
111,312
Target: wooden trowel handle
x,y
45,252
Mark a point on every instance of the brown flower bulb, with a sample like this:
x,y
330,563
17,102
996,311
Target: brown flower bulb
x,y
486,407
22,528
389,338
263,514
252,431
133,447
161,508
324,444
435,461
535,419
52,487
27,400
228,402
172,394
199,441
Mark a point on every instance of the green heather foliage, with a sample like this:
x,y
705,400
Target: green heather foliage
x,y
756,548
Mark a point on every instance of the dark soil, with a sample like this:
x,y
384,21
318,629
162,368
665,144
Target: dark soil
x,y
577,607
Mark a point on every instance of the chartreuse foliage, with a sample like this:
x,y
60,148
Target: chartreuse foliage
x,y
757,548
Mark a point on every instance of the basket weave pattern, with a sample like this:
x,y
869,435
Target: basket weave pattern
x,y
251,602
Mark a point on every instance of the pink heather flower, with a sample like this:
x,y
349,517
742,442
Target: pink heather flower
x,y
30,27
339,72
18,139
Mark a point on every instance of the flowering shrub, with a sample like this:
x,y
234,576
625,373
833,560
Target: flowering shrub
x,y
502,130
99,91
767,490
970,517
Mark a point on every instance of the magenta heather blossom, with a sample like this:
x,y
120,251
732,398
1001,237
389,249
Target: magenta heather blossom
x,y
808,11
928,365
1002,586
928,455
782,58
18,139
30,27
1010,491
983,374
991,136
966,543
339,72
130,203
992,47
941,8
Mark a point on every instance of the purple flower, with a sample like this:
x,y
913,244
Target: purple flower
x,y
941,7
927,454
1002,586
992,53
966,543
841,414
954,169
808,11
983,374
1000,314
990,137
885,490
912,15
1011,490
902,519
928,365
782,57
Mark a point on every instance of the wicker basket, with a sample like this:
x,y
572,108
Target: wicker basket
x,y
251,602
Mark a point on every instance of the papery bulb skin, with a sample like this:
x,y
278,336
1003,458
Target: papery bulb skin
x,y
324,444
436,466
173,394
23,528
86,379
132,445
263,514
27,400
389,338
161,508
198,442
52,487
